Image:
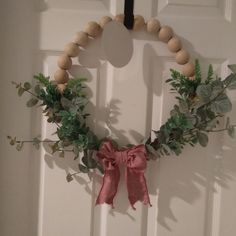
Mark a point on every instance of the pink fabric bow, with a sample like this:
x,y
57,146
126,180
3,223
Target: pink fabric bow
x,y
135,160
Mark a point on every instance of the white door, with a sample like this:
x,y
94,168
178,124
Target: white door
x,y
192,194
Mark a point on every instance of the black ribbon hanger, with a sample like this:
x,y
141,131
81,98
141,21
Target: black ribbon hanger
x,y
129,14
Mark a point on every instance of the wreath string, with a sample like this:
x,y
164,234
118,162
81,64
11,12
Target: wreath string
x,y
201,103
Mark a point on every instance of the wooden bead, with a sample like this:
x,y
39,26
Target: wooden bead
x,y
61,88
139,22
81,39
64,62
165,33
61,76
104,20
120,18
93,29
153,26
174,44
182,57
71,49
188,69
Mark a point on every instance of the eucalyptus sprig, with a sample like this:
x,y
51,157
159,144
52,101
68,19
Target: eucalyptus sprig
x,y
19,144
68,111
201,104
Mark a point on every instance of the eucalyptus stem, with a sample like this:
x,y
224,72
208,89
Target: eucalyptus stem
x,y
219,130
57,124
32,94
65,150
32,141
76,173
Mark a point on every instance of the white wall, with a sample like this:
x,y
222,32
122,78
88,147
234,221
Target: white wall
x,y
18,31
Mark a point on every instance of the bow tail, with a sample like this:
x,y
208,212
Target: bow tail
x,y
109,187
137,187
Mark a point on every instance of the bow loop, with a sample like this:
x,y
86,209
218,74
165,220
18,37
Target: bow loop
x,y
137,156
134,159
106,154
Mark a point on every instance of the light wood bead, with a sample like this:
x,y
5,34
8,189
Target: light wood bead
x,y
174,44
104,20
120,18
182,57
139,23
153,26
81,39
61,76
93,29
71,49
165,33
64,62
188,69
61,88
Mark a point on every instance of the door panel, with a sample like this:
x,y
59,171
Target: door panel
x,y
192,194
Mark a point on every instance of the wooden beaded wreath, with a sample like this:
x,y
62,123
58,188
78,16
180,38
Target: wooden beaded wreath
x,y
94,29
201,104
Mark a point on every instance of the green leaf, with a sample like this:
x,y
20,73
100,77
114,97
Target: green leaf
x,y
69,178
202,139
201,114
42,79
217,88
32,102
83,168
210,73
93,142
37,89
166,148
54,147
19,146
231,131
169,80
210,114
27,86
191,120
230,81
222,104
36,143
194,139
78,101
176,147
204,92
21,91
232,68
13,141
66,103
198,75
183,106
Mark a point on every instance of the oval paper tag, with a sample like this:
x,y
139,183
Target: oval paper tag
x,y
117,44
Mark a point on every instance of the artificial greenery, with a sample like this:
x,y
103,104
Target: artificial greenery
x,y
67,111
201,103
